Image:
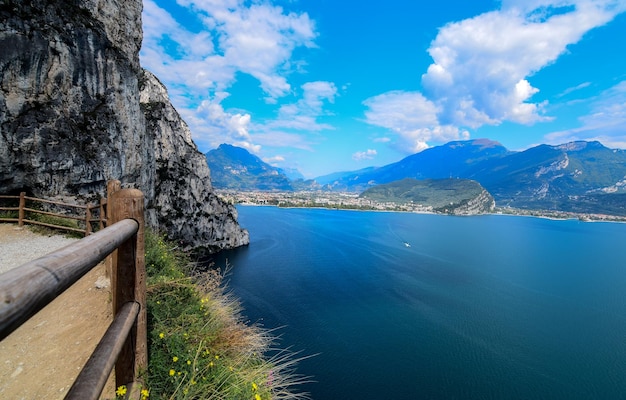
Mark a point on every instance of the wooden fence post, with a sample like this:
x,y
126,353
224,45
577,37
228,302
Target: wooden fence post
x,y
102,215
113,186
128,284
20,221
88,221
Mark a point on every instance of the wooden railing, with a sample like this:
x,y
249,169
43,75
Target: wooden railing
x,y
28,288
84,214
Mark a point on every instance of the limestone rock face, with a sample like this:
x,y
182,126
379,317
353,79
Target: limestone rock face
x,y
71,118
481,204
184,204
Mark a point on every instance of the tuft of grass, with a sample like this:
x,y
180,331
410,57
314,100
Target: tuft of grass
x,y
199,346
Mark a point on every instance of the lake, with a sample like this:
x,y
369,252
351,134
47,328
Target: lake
x,y
419,306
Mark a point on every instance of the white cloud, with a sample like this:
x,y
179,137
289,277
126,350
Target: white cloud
x,y
606,122
258,40
200,62
274,160
369,154
481,65
412,117
303,114
574,89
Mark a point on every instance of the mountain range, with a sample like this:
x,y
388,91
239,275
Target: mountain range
x,y
577,176
235,168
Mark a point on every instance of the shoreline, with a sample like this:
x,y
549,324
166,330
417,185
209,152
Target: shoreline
x,y
564,215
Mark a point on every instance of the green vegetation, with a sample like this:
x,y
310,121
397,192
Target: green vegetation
x,y
199,347
437,193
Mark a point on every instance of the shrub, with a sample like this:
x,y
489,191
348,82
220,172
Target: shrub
x,y
199,347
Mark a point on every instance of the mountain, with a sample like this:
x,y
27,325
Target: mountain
x,y
577,176
77,109
451,196
450,160
292,174
235,168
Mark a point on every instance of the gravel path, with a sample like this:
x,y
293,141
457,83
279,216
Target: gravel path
x,y
42,358
20,245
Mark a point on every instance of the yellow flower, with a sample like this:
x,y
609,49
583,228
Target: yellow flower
x,y
193,382
145,393
257,397
121,391
172,372
161,335
217,357
254,386
174,358
188,362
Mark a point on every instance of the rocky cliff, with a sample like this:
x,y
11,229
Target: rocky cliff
x,y
71,118
481,204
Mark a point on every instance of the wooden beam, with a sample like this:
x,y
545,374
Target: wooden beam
x,y
93,377
28,288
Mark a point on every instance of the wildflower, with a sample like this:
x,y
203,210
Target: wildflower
x,y
193,382
217,357
188,362
145,393
161,335
172,372
257,397
121,391
211,364
254,386
174,358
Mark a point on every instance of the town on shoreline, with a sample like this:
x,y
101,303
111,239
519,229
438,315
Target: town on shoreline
x,y
352,201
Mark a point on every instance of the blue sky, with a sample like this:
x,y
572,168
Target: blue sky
x,y
338,85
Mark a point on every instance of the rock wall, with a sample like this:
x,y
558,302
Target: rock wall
x,y
71,118
481,204
183,204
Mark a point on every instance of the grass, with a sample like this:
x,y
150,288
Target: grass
x,y
199,346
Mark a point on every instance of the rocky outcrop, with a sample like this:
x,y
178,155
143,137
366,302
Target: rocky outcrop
x,y
71,118
183,203
481,204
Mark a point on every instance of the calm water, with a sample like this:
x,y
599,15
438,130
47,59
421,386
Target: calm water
x,y
489,307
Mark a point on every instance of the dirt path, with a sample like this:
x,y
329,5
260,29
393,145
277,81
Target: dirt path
x,y
41,359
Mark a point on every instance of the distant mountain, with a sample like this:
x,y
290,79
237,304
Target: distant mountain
x,y
578,176
451,160
292,173
235,168
451,196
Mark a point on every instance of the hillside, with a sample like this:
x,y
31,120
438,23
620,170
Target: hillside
x,y
577,176
235,168
451,196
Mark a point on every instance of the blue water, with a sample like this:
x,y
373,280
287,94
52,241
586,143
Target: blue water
x,y
487,307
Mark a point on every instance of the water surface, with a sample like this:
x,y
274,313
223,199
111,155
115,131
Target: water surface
x,y
483,307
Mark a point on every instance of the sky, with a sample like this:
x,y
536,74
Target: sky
x,y
324,86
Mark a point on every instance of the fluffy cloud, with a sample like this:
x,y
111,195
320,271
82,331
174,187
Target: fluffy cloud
x,y
412,117
364,155
480,69
258,40
303,114
606,122
481,64
200,61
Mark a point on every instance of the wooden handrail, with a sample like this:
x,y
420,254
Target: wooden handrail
x,y
87,218
92,379
28,288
